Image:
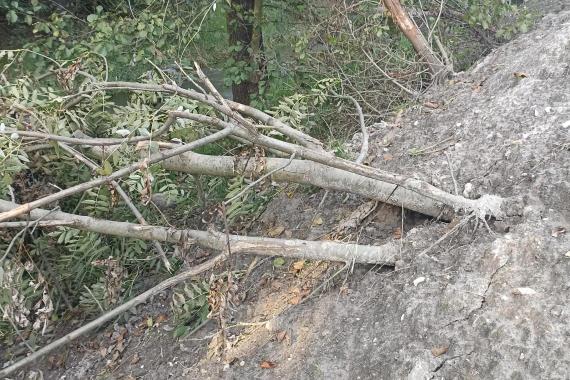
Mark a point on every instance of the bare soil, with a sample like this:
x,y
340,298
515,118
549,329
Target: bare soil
x,y
490,301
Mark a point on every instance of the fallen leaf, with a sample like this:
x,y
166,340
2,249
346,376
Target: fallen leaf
x,y
149,322
299,265
295,300
438,351
278,262
266,364
567,254
103,352
275,231
281,335
387,157
558,231
520,74
161,318
317,221
524,291
432,105
397,233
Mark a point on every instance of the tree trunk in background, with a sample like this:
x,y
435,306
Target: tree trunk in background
x,y
415,36
244,29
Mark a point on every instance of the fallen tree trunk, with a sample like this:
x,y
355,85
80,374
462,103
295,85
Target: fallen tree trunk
x,y
294,248
142,164
308,173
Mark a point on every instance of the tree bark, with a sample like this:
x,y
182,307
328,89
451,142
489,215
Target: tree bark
x,y
245,37
415,36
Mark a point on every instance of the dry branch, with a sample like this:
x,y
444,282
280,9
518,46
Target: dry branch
x,y
488,205
113,314
296,135
294,248
90,141
415,36
309,173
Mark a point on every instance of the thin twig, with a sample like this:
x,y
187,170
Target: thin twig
x,y
123,195
401,86
455,187
194,271
364,145
228,111
90,141
445,236
153,159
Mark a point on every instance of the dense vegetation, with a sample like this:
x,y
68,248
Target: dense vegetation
x,y
294,59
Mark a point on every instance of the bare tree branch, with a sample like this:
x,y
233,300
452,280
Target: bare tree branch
x,y
294,248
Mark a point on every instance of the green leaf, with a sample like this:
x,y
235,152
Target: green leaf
x,y
106,170
180,331
11,16
279,262
92,18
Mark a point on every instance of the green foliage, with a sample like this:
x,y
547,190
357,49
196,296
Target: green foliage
x,y
504,18
190,306
12,159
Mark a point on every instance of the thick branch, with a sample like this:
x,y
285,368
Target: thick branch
x,y
415,36
309,173
487,205
294,248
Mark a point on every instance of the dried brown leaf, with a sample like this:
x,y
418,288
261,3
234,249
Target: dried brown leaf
x,y
397,233
281,336
433,105
298,265
275,231
317,221
295,300
438,351
266,364
135,359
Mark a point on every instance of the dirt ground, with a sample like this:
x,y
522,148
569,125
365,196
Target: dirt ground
x,y
490,301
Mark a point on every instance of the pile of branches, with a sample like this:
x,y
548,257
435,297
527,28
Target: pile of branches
x,y
297,157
